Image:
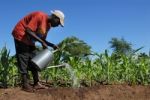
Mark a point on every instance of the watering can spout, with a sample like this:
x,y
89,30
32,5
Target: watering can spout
x,y
55,51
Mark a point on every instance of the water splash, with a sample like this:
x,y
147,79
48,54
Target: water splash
x,y
75,82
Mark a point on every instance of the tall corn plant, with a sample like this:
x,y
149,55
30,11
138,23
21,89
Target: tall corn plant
x,y
7,69
4,66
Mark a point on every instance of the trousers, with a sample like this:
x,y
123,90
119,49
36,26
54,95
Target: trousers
x,y
24,54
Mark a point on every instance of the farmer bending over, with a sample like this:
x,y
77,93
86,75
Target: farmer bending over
x,y
33,27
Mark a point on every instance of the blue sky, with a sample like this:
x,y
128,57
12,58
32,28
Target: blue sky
x,y
93,21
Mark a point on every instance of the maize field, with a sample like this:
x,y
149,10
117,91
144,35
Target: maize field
x,y
96,69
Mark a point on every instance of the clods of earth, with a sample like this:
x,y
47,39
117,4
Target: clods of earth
x,y
100,92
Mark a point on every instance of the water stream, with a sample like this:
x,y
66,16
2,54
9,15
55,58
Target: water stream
x,y
75,82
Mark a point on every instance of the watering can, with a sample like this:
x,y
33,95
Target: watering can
x,y
43,58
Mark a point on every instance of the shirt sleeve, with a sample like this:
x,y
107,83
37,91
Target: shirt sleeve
x,y
42,25
33,24
38,24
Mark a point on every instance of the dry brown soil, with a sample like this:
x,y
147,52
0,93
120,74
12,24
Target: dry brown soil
x,y
100,92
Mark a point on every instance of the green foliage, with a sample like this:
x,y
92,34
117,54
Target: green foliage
x,y
105,69
75,47
120,46
8,71
117,68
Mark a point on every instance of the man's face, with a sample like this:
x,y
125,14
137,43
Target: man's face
x,y
55,21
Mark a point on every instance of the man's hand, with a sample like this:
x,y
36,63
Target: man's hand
x,y
51,45
55,47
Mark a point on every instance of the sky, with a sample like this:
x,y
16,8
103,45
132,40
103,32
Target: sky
x,y
95,22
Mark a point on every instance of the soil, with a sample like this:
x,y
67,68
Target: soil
x,y
100,92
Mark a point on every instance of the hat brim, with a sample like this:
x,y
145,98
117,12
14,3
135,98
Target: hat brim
x,y
62,23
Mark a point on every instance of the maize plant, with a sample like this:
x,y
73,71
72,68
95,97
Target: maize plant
x,y
99,68
8,71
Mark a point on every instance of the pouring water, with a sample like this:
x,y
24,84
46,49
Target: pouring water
x,y
75,82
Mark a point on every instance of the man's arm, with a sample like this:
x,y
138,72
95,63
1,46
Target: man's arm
x,y
33,35
51,45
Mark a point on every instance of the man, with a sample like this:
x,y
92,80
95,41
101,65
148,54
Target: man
x,y
33,27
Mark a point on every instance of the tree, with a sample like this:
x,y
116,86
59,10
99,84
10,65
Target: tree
x,y
120,46
75,46
143,55
72,46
